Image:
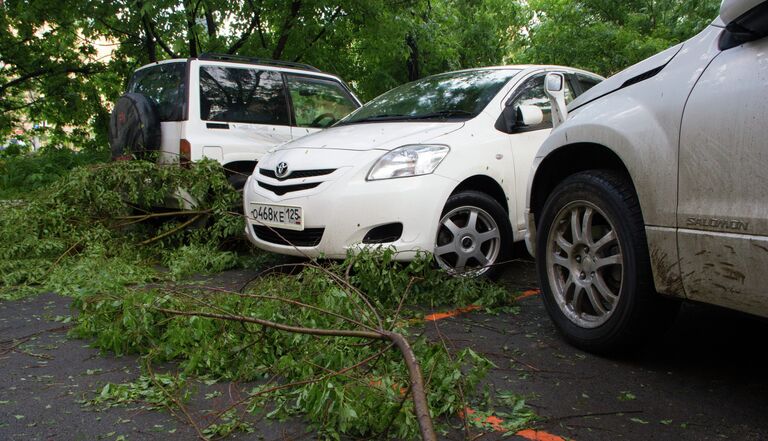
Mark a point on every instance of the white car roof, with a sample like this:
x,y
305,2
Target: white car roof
x,y
244,65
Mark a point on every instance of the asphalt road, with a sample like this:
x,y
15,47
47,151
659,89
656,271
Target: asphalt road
x,y
704,380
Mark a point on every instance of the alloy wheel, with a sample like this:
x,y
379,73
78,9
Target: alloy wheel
x,y
585,264
468,241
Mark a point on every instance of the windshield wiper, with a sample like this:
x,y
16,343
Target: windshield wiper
x,y
442,114
445,114
381,117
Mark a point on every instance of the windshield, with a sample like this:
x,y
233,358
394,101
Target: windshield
x,y
454,96
164,85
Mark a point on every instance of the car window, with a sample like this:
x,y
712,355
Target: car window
x,y
163,84
531,93
318,102
586,82
235,94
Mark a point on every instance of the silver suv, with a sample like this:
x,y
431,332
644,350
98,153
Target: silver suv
x,y
224,107
656,182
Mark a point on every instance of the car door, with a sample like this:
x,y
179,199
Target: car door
x,y
723,182
243,112
525,140
316,103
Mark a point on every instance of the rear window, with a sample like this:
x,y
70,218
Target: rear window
x,y
243,95
163,84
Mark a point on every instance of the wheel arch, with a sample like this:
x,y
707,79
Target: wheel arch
x,y
484,184
239,167
567,160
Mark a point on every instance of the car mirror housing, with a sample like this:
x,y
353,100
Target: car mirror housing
x,y
554,87
529,115
731,10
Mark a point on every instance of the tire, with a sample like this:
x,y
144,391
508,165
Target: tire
x,y
597,282
472,248
134,126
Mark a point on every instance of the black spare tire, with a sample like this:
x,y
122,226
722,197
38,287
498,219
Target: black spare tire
x,y
134,126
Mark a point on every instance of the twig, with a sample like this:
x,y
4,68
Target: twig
x,y
458,385
291,302
56,262
178,403
402,300
171,231
592,414
279,326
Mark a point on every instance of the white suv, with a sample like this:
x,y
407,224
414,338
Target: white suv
x,y
657,183
438,165
224,107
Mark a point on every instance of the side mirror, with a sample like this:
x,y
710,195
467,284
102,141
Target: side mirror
x,y
730,10
515,118
554,87
529,115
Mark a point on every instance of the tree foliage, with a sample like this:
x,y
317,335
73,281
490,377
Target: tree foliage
x,y
605,36
52,64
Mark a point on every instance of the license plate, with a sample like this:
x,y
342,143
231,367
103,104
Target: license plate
x,y
281,216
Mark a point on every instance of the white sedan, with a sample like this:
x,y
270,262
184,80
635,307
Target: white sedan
x,y
437,165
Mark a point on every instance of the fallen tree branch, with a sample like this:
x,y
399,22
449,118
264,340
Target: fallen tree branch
x,y
278,326
421,406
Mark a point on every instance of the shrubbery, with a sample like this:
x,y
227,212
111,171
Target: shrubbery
x,y
22,173
101,225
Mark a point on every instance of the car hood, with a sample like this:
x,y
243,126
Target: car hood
x,y
374,136
630,75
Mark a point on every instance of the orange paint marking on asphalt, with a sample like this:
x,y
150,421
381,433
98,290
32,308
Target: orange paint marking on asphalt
x,y
538,435
497,424
444,315
529,293
493,421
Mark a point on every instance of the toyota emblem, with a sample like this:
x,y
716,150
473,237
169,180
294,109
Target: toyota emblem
x,y
281,170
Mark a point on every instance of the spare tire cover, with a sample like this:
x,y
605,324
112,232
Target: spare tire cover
x,y
134,126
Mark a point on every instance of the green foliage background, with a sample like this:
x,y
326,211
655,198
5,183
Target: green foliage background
x,y
51,69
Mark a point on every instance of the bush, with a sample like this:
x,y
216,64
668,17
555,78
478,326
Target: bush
x,y
105,215
24,173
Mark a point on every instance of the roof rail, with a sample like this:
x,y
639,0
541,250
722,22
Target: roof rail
x,y
254,60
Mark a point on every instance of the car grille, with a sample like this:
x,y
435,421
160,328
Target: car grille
x,y
283,189
309,237
297,174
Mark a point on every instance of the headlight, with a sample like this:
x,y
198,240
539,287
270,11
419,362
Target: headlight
x,y
408,160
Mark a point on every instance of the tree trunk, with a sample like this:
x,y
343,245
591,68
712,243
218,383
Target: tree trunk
x,y
149,40
210,22
412,64
189,11
286,29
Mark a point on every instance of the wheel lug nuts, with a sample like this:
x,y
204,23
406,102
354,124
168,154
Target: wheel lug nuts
x,y
578,259
586,250
592,274
582,276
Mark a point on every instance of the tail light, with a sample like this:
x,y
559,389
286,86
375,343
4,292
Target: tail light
x,y
185,152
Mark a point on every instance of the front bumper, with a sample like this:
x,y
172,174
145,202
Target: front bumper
x,y
347,208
